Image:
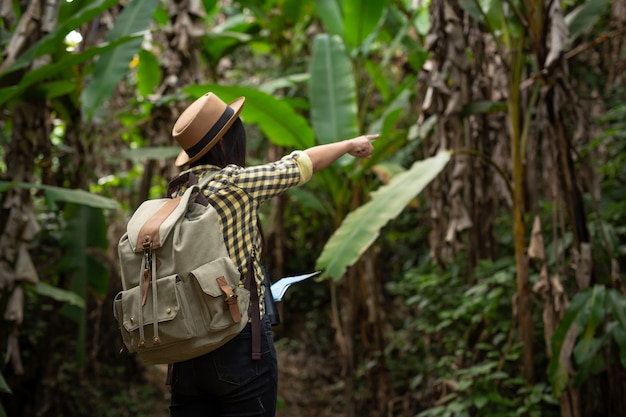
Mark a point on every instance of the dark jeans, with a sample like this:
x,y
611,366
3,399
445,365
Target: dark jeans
x,y
227,382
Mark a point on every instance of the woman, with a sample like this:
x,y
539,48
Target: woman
x,y
228,381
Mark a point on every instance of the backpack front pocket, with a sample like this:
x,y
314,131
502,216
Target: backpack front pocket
x,y
212,307
150,326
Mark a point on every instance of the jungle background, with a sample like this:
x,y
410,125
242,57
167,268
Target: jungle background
x,y
472,267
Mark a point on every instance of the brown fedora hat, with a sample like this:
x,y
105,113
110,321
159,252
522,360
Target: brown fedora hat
x,y
201,125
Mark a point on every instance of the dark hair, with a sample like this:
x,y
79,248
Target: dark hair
x,y
231,149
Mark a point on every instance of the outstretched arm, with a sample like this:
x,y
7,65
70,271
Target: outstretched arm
x,y
324,155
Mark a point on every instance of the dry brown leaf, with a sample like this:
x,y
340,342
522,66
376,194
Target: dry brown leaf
x,y
549,324
7,275
181,40
7,12
464,221
618,11
12,200
558,34
455,187
197,8
31,228
13,355
383,173
428,99
12,230
542,286
460,167
22,33
451,232
449,14
560,298
568,347
15,306
50,13
536,249
24,268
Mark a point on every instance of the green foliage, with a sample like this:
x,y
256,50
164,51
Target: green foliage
x,y
362,226
276,118
499,18
110,393
596,316
227,36
458,341
331,14
394,31
135,400
351,20
85,230
332,91
360,19
59,294
112,65
36,82
585,16
82,231
68,21
149,73
58,194
609,152
3,385
157,153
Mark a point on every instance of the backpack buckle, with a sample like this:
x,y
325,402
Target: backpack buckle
x,y
230,299
147,244
147,270
230,302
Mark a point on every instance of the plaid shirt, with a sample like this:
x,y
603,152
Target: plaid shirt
x,y
236,193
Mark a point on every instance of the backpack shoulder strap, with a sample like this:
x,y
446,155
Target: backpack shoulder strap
x,y
188,178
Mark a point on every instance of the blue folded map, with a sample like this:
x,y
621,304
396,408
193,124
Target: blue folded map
x,y
280,286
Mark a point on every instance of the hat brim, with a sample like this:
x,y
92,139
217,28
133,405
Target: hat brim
x,y
184,159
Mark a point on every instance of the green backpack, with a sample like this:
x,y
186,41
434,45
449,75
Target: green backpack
x,y
182,296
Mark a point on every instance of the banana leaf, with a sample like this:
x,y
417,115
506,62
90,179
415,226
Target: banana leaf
x,y
149,73
333,100
577,315
113,65
617,303
60,294
85,230
331,15
332,91
596,313
277,119
585,16
50,43
36,78
362,226
151,152
65,194
360,18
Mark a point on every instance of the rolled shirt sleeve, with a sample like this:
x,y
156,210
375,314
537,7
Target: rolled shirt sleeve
x,y
304,163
